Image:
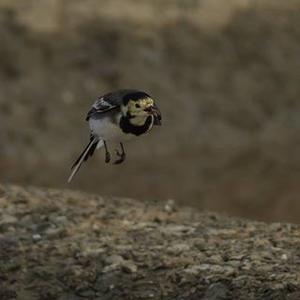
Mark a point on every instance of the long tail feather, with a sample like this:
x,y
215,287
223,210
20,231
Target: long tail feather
x,y
87,152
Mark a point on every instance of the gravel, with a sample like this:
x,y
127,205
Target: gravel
x,y
71,245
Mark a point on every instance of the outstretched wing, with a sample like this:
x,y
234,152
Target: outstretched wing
x,y
101,106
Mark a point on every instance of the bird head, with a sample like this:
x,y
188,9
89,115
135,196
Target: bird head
x,y
138,107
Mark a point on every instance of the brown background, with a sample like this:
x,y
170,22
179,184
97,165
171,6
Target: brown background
x,y
226,77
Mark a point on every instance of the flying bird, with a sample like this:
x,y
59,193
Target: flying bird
x,y
115,118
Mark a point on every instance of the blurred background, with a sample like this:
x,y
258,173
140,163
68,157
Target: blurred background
x,y
225,75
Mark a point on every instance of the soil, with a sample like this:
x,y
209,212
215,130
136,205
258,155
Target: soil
x,y
60,244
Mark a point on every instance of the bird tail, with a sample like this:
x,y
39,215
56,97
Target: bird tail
x,y
94,144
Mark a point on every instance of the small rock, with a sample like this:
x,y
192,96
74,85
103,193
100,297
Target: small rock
x,y
237,257
217,291
228,270
110,268
246,266
170,206
233,263
216,259
92,252
60,220
276,226
261,243
178,248
8,246
194,270
96,227
36,237
8,219
217,269
123,248
53,233
129,267
222,232
86,293
256,258
116,262
204,267
177,230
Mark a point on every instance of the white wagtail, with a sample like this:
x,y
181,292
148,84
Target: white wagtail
x,y
116,117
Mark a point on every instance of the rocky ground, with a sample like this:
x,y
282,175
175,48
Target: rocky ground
x,y
225,75
71,245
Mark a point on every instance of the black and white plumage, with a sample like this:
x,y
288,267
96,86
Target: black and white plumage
x,y
118,117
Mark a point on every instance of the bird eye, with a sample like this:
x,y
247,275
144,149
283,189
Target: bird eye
x,y
137,105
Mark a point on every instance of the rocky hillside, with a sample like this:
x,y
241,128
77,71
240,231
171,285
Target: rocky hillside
x,y
59,245
226,77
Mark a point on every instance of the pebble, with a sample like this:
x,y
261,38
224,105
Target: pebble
x,y
36,237
170,206
178,230
194,270
217,291
178,249
53,233
60,220
116,262
129,267
92,252
8,219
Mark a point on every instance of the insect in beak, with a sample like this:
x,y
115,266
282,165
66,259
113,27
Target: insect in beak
x,y
154,111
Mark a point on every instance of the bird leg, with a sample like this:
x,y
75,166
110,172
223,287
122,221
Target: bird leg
x,y
122,155
107,154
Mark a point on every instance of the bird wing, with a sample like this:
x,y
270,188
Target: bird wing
x,y
102,105
109,102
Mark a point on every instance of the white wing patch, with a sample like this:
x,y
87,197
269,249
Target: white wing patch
x,y
101,104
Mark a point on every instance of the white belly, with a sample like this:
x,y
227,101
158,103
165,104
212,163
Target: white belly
x,y
107,130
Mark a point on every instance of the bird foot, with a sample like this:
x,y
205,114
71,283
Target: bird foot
x,y
107,157
122,157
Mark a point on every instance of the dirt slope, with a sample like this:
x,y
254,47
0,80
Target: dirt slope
x,y
71,245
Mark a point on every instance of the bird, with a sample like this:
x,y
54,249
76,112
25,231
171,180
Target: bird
x,y
117,117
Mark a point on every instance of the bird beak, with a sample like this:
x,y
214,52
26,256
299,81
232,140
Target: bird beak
x,y
154,111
